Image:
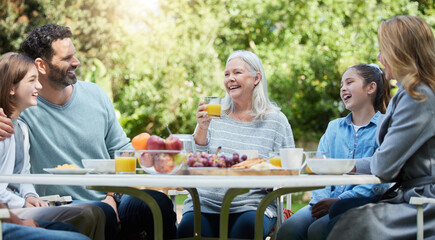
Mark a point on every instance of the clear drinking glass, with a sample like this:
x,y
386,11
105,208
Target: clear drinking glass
x,y
275,159
188,142
125,162
213,106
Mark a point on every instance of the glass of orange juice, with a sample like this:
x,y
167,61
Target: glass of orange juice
x,y
125,162
274,159
213,106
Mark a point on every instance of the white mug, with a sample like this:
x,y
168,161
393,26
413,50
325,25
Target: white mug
x,y
291,158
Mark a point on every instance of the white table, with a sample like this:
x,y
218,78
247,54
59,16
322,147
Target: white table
x,y
237,184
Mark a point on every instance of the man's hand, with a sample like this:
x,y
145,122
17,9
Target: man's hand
x,y
29,222
321,208
16,220
6,126
33,201
111,201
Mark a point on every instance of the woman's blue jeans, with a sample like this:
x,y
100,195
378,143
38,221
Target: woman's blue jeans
x,y
240,225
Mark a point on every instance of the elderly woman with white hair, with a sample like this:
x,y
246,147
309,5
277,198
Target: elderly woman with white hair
x,y
249,121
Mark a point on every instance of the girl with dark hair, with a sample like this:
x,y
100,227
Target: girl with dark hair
x,y
365,92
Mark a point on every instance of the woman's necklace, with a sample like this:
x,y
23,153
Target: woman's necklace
x,y
242,117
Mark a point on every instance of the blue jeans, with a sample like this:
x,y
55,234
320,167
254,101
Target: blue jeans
x,y
240,225
136,217
56,225
14,231
302,225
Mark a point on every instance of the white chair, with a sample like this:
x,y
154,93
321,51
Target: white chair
x,y
419,201
172,193
287,198
280,212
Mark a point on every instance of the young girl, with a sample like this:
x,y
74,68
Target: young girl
x,y
365,92
19,88
406,153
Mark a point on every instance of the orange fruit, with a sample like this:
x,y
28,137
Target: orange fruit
x,y
139,142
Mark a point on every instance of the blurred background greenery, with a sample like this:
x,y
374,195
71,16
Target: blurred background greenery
x,y
157,58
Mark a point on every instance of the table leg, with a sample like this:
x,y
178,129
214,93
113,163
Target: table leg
x,y
196,212
259,215
155,209
225,210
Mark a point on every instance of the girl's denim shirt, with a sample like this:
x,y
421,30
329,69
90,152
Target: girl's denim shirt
x,y
341,141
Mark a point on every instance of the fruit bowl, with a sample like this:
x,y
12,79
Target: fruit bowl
x,y
330,165
160,161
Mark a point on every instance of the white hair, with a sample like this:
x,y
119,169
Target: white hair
x,y
261,103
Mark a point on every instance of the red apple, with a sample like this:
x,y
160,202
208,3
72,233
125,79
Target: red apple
x,y
173,143
146,159
155,143
164,163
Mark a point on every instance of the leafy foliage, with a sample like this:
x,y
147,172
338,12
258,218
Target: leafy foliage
x,y
158,63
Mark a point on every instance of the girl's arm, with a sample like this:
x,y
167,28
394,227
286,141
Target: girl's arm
x,y
7,160
368,190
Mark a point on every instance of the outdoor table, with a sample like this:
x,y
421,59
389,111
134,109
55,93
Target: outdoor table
x,y
237,185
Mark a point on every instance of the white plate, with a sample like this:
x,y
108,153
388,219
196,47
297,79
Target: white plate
x,y
68,170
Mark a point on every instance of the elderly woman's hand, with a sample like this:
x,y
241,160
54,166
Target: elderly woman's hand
x,y
201,116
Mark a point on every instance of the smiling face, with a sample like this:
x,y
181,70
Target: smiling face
x,y
354,92
239,81
63,64
26,91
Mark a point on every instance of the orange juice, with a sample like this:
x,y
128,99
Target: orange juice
x,y
309,170
125,164
276,161
213,110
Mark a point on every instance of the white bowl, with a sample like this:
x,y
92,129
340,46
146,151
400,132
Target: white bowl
x,y
330,165
100,165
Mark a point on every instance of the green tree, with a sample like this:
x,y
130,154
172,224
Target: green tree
x,y
168,65
93,24
158,63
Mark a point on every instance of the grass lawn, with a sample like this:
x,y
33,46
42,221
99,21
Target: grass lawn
x,y
296,206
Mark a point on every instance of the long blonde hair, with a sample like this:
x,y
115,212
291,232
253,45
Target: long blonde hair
x,y
408,46
261,104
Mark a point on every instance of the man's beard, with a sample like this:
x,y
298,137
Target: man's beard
x,y
59,79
